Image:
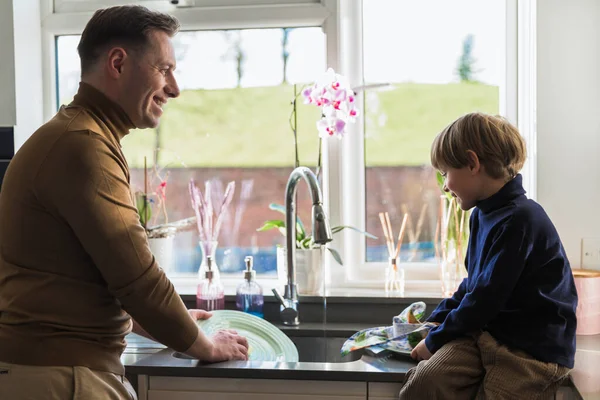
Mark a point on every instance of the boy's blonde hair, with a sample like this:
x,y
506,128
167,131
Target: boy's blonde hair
x,y
498,144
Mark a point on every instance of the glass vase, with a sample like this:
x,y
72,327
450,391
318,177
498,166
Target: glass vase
x,y
452,246
394,278
209,248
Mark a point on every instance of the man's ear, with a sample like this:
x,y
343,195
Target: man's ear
x,y
116,60
474,164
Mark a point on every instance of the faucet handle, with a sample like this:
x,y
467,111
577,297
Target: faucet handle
x,y
278,297
289,309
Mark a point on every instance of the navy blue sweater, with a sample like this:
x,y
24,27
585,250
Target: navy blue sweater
x,y
519,287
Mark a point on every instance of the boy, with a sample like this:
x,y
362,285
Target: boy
x,y
509,330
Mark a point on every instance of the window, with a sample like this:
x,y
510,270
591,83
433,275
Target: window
x,y
230,123
422,63
439,65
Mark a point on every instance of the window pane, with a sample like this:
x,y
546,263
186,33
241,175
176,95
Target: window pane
x,y
230,123
442,59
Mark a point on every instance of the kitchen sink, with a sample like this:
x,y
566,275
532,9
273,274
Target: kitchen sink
x,y
314,349
322,349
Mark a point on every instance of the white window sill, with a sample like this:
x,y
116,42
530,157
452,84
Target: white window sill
x,y
186,285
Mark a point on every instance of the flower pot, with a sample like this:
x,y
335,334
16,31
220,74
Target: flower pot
x,y
310,270
162,248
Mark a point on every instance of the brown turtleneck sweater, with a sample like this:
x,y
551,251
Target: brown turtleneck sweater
x,y
74,259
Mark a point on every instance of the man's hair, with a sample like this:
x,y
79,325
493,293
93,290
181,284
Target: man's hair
x,y
496,142
126,26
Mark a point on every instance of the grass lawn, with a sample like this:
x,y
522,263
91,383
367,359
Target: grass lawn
x,y
249,127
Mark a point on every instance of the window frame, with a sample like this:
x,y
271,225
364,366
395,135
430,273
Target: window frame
x,y
343,161
517,103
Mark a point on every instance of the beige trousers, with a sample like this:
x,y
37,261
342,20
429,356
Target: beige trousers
x,y
25,382
478,367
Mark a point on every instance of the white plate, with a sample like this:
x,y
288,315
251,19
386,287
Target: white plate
x,y
265,341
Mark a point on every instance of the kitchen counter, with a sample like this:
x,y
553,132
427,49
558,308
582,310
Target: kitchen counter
x,y
586,374
145,357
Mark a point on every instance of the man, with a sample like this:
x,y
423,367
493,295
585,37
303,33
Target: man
x,y
74,259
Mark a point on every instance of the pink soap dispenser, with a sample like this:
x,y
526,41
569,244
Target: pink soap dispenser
x,y
211,293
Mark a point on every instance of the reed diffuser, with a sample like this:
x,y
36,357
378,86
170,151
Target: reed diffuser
x,y
394,276
208,221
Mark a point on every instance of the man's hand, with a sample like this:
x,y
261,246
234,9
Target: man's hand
x,y
228,345
421,352
199,314
224,345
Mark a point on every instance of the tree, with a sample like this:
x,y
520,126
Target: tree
x,y
235,52
181,45
466,63
285,54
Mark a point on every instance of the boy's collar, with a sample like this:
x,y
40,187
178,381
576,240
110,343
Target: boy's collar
x,y
509,192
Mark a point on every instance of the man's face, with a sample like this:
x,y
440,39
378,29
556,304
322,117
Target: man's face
x,y
149,82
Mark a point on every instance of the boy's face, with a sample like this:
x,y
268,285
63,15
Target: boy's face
x,y
462,184
470,184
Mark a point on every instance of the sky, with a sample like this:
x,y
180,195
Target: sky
x,y
404,41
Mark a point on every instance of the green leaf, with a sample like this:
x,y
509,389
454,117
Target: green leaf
x,y
143,207
440,181
336,255
281,209
306,243
280,226
271,224
337,229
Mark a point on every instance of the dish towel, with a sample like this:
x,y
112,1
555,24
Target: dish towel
x,y
405,333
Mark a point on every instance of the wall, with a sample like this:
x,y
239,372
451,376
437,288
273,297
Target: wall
x,y
20,88
7,66
568,118
28,76
7,86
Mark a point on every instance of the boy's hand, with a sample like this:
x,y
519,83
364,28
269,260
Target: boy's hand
x,y
421,352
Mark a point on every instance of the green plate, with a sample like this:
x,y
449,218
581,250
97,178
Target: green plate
x,y
265,341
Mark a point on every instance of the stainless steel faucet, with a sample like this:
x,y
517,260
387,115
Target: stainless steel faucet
x,y
321,232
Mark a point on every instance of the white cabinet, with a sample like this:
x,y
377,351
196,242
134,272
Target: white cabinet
x,y
180,388
384,391
389,391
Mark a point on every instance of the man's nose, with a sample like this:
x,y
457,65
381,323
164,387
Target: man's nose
x,y
172,89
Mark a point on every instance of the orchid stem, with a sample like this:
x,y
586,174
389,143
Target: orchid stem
x,y
295,127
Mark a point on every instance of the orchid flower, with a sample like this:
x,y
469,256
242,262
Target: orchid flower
x,y
337,101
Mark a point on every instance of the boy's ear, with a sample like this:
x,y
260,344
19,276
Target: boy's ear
x,y
474,164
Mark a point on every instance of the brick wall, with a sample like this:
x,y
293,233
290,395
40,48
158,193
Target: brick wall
x,y
387,187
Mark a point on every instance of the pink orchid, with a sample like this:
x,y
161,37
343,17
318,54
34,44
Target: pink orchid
x,y
337,101
328,127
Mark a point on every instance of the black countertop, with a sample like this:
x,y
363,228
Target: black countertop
x,y
146,357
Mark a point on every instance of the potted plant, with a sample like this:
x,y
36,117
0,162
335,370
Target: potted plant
x,y
309,256
151,206
337,102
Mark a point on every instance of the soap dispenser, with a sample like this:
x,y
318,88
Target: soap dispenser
x,y
211,293
249,294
